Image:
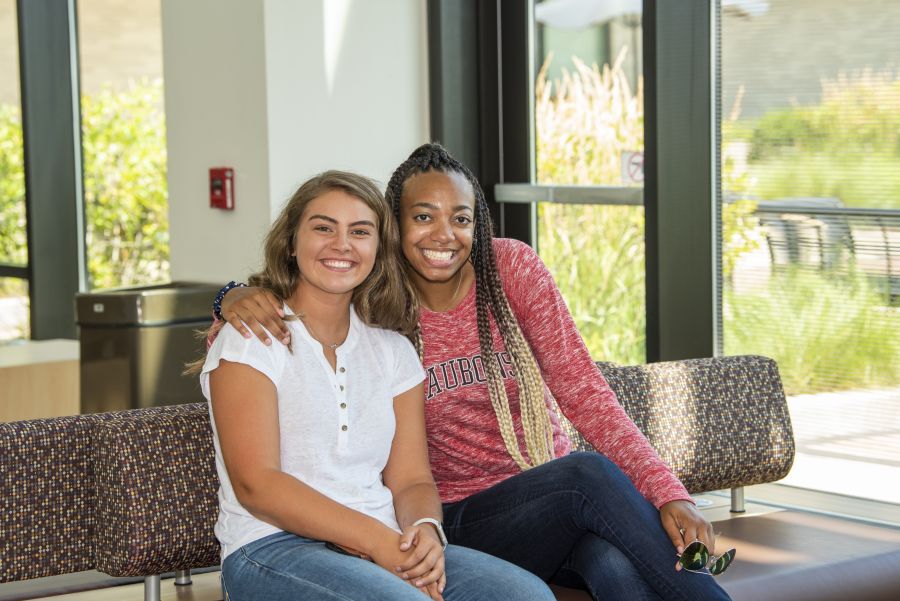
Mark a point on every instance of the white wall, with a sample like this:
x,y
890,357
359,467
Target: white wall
x,y
215,90
280,90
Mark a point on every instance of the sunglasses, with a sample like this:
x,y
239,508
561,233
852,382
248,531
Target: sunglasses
x,y
697,558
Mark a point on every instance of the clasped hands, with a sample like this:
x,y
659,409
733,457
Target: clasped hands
x,y
416,556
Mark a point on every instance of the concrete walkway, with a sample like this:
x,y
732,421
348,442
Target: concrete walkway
x,y
848,443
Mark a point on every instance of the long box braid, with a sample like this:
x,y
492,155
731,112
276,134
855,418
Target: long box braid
x,y
490,299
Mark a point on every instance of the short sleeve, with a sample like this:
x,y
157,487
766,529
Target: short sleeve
x,y
408,370
231,346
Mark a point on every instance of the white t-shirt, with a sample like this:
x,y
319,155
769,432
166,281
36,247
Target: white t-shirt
x,y
336,426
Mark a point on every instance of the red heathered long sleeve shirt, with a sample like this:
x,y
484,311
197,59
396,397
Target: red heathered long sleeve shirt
x,y
466,449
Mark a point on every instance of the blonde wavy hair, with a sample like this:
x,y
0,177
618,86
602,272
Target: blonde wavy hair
x,y
382,300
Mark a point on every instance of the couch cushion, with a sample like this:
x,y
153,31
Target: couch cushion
x,y
47,496
569,594
718,423
156,485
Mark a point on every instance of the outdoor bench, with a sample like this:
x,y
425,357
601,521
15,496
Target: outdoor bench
x,y
133,493
823,235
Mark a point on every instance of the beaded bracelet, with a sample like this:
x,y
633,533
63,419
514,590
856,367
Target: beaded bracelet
x,y
217,303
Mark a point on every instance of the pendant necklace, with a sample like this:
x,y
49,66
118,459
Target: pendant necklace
x,y
332,346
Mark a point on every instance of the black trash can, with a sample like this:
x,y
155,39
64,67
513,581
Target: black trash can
x,y
135,343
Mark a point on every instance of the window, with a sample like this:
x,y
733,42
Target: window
x,y
589,132
810,169
14,313
123,141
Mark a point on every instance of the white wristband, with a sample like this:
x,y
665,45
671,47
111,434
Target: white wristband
x,y
437,526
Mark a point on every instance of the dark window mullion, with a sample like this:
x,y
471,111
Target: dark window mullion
x,y
52,149
14,271
480,89
678,188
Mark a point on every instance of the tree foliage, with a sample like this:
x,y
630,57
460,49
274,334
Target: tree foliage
x,y
126,199
12,188
124,158
847,146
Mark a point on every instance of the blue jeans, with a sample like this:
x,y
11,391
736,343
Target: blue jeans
x,y
578,521
287,567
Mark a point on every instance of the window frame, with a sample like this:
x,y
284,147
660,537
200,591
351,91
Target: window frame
x,y
51,134
492,80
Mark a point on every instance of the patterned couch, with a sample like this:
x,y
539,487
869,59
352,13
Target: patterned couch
x,y
133,493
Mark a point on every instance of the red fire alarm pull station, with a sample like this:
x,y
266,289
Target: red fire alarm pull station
x,y
221,188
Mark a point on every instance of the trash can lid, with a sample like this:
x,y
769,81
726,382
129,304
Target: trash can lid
x,y
147,305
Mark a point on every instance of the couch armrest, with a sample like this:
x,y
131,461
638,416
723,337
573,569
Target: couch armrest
x,y
156,491
47,496
718,423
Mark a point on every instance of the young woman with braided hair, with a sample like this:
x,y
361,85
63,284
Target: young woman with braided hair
x,y
499,346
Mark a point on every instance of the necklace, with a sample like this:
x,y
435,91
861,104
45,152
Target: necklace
x,y
453,297
332,346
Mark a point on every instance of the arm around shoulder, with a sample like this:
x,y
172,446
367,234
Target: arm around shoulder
x,y
257,310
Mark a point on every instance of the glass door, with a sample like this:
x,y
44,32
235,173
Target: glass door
x,y
589,130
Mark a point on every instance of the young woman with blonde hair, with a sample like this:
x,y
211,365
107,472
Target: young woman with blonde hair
x,y
326,491
499,346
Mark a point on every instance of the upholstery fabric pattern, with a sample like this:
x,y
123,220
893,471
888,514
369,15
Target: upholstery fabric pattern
x,y
156,491
133,493
718,423
47,496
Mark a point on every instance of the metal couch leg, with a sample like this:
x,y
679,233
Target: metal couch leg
x,y
183,578
152,588
737,500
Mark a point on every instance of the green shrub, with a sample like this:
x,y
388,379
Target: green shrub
x,y
123,137
125,186
826,332
870,181
12,188
596,255
847,146
585,120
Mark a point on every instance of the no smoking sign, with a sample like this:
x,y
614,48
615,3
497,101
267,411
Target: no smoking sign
x,y
632,168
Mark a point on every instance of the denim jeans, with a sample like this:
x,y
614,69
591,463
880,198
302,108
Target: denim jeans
x,y
287,567
578,521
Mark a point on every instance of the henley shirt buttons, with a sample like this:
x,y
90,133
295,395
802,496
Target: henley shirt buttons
x,y
343,370
343,405
342,386
344,428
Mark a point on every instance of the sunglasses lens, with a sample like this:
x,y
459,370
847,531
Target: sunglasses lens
x,y
695,556
721,564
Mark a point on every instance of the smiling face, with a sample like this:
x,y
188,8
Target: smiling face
x,y
437,222
335,244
